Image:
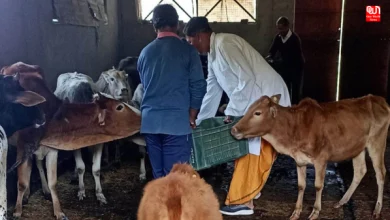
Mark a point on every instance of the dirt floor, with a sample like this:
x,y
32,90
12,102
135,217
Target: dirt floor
x,y
123,192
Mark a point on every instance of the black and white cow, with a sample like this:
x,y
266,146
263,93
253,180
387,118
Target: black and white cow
x,y
17,111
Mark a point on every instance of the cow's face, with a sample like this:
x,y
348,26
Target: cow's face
x,y
117,84
14,93
18,107
259,119
118,117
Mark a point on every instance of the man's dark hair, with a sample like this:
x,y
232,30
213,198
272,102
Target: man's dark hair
x,y
197,25
283,21
165,15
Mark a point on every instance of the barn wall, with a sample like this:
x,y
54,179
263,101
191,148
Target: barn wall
x,y
317,23
29,35
365,50
135,35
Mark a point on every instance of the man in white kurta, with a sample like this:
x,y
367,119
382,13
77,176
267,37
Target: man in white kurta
x,y
238,69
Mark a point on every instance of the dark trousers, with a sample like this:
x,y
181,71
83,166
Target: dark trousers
x,y
294,82
166,150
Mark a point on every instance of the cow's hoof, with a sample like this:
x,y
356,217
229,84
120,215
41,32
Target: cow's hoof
x,y
81,194
142,177
17,215
295,215
376,215
377,211
101,199
61,216
337,205
314,215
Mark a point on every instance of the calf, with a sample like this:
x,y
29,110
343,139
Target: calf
x,y
314,133
17,111
182,194
78,87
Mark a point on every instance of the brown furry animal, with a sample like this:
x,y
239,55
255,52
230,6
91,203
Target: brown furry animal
x,y
181,195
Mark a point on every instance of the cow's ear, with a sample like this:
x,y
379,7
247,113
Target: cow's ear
x,y
3,70
276,98
274,111
27,98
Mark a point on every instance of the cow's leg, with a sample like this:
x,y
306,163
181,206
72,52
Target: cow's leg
x,y
24,173
45,187
142,170
26,195
80,167
320,168
117,160
106,154
301,171
74,178
51,166
377,155
359,170
97,157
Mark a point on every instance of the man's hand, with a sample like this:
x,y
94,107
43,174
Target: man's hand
x,y
227,119
222,108
193,115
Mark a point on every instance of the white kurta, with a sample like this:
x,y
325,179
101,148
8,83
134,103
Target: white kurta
x,y
238,69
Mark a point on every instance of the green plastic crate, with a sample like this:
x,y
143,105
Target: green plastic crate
x,y
213,144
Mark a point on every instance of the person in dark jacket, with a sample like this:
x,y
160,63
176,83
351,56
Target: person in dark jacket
x,y
288,44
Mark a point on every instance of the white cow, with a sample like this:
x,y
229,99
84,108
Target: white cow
x,y
115,83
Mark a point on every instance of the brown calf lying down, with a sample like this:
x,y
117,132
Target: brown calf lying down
x,y
314,133
181,195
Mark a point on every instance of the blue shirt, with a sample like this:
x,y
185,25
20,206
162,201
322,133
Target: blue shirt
x,y
172,76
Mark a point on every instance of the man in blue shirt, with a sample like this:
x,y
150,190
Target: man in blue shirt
x,y
172,76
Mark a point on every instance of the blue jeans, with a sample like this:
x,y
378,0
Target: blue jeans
x,y
166,150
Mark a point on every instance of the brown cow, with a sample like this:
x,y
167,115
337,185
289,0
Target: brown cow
x,y
181,195
314,133
69,126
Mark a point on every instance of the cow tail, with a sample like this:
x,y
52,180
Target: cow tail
x,y
23,155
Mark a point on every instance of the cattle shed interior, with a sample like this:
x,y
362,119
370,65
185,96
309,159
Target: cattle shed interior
x,y
346,57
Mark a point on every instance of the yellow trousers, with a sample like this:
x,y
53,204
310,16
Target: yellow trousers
x,y
250,175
